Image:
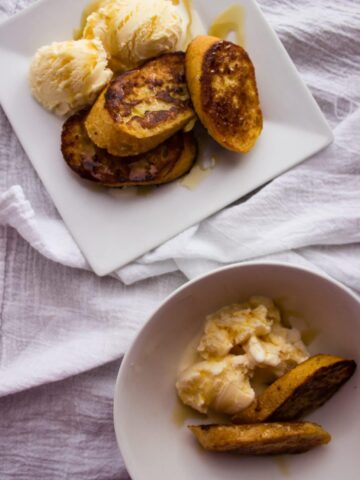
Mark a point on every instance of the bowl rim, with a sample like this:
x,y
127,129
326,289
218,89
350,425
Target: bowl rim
x,y
120,434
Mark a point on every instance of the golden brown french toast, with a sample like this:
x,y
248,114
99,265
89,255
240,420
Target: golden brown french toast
x,y
142,108
222,85
304,388
261,438
165,163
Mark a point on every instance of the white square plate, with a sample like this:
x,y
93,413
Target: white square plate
x,y
114,228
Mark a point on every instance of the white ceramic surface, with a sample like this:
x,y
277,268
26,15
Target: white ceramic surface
x,y
155,447
113,229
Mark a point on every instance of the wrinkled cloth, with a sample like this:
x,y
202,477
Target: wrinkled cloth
x,y
58,319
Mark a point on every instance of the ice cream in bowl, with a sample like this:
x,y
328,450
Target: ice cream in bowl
x,y
239,342
213,348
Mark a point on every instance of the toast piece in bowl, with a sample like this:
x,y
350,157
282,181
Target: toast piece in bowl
x,y
142,108
303,389
261,438
222,85
165,163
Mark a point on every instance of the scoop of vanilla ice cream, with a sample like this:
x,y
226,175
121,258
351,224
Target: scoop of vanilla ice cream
x,y
222,385
273,313
66,76
233,325
281,349
133,31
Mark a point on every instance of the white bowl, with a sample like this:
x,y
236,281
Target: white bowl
x,y
155,447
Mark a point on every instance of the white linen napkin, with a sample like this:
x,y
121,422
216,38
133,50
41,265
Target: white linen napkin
x,y
58,321
314,204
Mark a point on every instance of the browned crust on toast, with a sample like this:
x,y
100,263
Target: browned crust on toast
x,y
165,163
143,107
261,438
301,390
222,84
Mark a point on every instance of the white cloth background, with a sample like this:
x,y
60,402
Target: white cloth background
x,y
58,319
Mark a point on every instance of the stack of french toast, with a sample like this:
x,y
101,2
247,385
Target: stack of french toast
x,y
140,129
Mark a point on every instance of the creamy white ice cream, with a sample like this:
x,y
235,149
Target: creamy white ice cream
x,y
233,325
282,349
66,76
133,31
222,385
238,341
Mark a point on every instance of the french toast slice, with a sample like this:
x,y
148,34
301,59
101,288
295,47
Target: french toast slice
x,y
165,163
222,85
304,388
261,438
143,107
